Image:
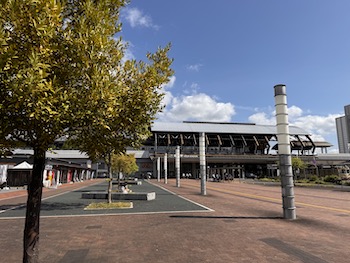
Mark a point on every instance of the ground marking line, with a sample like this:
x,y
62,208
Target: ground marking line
x,y
12,208
12,197
240,193
111,214
325,207
275,199
189,200
43,199
52,196
44,190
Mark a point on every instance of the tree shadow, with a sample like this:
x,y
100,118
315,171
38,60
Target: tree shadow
x,y
51,208
227,217
12,207
61,206
91,190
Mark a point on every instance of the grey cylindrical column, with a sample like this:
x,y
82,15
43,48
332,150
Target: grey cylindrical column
x,y
177,165
284,152
158,169
202,165
165,168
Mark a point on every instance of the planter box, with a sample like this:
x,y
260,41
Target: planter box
x,y
120,196
128,182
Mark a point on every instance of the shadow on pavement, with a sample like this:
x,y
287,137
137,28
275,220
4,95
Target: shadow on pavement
x,y
228,217
60,206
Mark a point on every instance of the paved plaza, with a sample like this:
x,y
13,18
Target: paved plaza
x,y
234,222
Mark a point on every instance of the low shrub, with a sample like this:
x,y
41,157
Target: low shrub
x,y
334,179
319,182
269,179
313,178
302,181
346,183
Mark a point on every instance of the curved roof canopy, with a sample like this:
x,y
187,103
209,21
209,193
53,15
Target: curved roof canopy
x,y
221,127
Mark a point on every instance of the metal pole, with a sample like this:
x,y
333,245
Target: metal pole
x,y
97,169
202,164
284,152
165,168
158,169
177,165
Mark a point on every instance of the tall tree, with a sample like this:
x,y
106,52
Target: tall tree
x,y
60,73
131,99
124,163
297,165
34,105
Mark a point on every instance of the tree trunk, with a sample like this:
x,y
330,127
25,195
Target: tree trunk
x,y
119,173
110,185
31,229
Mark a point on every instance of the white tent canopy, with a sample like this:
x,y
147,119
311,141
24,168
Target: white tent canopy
x,y
3,173
23,165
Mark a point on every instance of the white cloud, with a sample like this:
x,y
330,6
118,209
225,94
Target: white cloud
x,y
128,55
168,97
318,125
198,107
195,67
202,107
322,128
194,86
127,48
294,112
136,18
170,84
262,118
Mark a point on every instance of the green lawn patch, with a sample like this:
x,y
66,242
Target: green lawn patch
x,y
105,205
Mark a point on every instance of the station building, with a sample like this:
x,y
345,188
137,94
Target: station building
x,y
343,131
231,149
61,166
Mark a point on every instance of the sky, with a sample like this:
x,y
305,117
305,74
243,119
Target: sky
x,y
229,54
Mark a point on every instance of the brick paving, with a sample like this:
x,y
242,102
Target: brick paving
x,y
245,226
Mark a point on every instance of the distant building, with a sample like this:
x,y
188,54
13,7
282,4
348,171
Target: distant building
x,y
231,149
343,131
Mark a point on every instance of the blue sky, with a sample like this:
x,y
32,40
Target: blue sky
x,y
229,54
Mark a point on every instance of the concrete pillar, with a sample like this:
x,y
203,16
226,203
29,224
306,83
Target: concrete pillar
x,y
158,169
202,164
165,168
193,171
177,165
284,152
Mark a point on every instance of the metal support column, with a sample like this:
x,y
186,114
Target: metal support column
x,y
158,169
202,165
284,152
165,168
177,165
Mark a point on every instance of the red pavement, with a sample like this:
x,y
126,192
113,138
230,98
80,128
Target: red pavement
x,y
245,227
